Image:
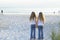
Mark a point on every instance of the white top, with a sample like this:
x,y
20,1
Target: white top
x,y
40,23
32,22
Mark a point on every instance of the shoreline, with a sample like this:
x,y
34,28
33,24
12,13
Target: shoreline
x,y
18,14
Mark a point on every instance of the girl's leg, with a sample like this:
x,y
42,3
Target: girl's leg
x,y
31,36
41,32
38,32
34,32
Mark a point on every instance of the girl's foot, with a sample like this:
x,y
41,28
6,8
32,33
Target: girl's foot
x,y
41,39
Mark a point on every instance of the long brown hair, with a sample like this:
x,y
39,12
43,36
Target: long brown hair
x,y
32,16
41,17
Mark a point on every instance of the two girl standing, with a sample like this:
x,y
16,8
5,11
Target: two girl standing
x,y
36,22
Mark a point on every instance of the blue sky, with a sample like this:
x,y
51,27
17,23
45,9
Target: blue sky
x,y
34,5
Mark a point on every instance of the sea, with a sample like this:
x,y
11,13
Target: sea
x,y
17,27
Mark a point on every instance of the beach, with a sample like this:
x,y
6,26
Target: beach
x,y
17,27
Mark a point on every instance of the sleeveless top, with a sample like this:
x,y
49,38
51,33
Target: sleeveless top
x,y
32,22
40,23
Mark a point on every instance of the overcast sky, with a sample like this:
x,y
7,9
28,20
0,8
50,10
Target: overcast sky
x,y
30,4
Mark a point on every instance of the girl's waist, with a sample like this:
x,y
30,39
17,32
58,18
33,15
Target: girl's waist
x,y
40,24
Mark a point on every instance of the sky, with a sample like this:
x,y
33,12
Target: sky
x,y
34,5
30,3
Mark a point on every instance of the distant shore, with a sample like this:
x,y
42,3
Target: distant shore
x,y
27,14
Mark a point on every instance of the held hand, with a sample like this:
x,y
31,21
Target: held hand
x,y
36,22
36,26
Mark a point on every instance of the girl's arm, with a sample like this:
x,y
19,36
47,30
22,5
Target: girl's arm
x,y
36,22
44,19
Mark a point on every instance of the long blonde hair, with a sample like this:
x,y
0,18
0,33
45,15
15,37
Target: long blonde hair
x,y
41,17
32,16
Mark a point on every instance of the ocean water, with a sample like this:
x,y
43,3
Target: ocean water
x,y
17,27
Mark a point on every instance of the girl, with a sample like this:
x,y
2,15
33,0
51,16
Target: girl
x,y
33,25
40,26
